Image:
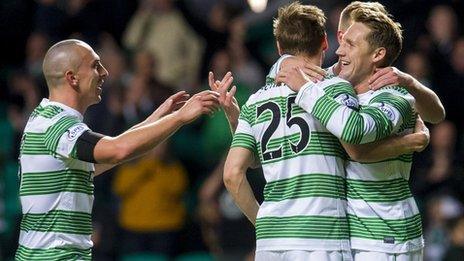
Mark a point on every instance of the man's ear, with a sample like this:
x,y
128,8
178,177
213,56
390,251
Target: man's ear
x,y
71,78
279,50
379,55
325,43
340,36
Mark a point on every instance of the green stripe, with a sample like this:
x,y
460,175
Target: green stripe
x,y
34,144
324,109
55,131
244,140
61,221
354,129
69,180
383,125
306,185
406,158
378,229
314,227
398,102
26,254
320,143
378,191
48,111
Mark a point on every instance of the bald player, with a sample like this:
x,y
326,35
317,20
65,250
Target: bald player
x,y
60,155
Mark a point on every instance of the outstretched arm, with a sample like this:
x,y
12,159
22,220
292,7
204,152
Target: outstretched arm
x,y
428,105
137,141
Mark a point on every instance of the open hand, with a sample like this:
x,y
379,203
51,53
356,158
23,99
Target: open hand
x,y
205,102
226,96
293,77
389,76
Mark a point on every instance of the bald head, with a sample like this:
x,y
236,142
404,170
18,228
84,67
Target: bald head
x,y
62,57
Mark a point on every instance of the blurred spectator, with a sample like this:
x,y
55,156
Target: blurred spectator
x,y
440,173
456,250
417,64
442,27
37,46
152,212
159,28
214,29
440,209
246,70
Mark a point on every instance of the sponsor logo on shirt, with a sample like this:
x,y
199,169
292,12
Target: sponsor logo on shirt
x,y
75,131
347,100
387,110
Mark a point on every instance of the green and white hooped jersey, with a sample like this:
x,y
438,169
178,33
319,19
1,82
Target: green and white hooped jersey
x,y
304,204
382,212
56,189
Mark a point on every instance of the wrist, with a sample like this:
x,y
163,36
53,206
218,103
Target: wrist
x,y
178,118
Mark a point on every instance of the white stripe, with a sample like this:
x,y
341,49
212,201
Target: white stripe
x,y
303,165
47,163
384,210
36,239
311,206
282,244
388,170
70,201
40,163
380,246
41,124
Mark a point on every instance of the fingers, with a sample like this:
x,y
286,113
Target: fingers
x,y
202,93
230,95
211,81
226,77
384,80
182,95
313,71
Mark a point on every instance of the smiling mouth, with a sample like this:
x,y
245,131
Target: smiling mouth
x,y
344,63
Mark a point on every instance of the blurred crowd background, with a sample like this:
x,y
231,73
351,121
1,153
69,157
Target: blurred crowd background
x,y
172,203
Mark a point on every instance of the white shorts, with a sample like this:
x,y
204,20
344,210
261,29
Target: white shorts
x,y
360,255
302,255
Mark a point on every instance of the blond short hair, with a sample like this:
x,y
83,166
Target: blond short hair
x,y
345,16
384,33
300,29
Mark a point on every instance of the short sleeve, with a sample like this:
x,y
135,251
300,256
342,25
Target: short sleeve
x,y
243,136
61,137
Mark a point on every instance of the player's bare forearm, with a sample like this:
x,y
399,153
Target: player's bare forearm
x,y
428,104
237,162
388,148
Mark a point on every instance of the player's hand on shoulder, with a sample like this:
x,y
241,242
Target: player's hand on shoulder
x,y
205,102
293,77
389,76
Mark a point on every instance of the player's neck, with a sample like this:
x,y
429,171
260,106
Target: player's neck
x,y
362,87
67,98
314,59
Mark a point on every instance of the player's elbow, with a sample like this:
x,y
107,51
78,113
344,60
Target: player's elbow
x,y
232,177
112,151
